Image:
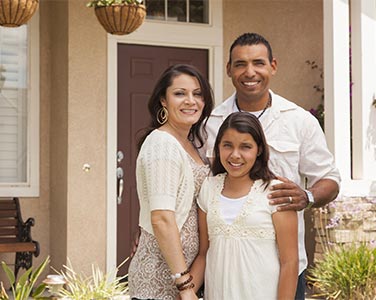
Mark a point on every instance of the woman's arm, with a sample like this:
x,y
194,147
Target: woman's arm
x,y
198,265
168,237
286,228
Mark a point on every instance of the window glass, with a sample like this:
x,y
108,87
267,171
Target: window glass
x,y
188,11
177,10
13,104
155,9
198,11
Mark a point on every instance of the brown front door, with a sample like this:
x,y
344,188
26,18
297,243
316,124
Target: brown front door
x,y
139,67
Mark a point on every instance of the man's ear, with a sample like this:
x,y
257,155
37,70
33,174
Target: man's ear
x,y
228,69
274,66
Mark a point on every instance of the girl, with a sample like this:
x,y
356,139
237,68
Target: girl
x,y
253,249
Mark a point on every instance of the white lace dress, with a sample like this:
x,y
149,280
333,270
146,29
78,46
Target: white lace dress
x,y
242,261
149,274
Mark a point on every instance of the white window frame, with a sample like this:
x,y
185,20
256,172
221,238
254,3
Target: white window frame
x,y
157,33
30,188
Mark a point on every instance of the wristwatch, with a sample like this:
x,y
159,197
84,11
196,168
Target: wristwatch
x,y
311,200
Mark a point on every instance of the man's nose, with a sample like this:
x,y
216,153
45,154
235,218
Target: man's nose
x,y
250,70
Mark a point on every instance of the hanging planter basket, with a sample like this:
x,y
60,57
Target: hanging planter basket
x,y
121,19
14,13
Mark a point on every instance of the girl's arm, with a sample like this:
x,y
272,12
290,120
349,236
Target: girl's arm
x,y
198,265
167,234
286,228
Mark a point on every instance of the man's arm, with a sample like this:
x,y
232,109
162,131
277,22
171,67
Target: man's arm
x,y
295,198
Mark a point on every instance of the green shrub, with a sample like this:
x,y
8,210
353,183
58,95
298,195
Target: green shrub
x,y
23,287
345,272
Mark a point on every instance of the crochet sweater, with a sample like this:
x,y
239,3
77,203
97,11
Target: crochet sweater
x,y
164,178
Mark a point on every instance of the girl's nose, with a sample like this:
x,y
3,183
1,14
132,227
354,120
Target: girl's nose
x,y
235,153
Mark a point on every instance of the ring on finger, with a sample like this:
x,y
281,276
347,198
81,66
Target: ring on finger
x,y
290,199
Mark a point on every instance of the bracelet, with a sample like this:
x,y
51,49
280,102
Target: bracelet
x,y
179,285
178,275
186,287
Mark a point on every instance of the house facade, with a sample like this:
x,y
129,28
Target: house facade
x,y
71,184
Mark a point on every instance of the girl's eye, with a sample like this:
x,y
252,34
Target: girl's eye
x,y
179,93
198,94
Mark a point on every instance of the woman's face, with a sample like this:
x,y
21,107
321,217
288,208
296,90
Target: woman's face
x,y
237,152
184,101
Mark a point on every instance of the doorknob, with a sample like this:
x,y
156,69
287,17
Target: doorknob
x,y
120,156
120,176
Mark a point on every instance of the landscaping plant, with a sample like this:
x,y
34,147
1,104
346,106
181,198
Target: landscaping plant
x,y
96,286
346,272
23,287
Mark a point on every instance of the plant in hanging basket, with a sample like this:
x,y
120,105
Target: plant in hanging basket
x,y
119,16
14,13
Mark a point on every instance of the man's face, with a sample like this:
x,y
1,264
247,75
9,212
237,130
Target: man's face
x,y
251,71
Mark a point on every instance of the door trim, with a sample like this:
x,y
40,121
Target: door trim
x,y
208,37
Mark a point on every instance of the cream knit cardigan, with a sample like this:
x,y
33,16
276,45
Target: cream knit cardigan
x,y
164,178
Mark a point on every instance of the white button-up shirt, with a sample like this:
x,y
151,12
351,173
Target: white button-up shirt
x,y
297,146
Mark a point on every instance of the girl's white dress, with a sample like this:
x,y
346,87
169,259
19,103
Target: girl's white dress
x,y
242,260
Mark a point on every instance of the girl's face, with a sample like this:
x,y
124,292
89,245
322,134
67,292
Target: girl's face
x,y
184,101
237,153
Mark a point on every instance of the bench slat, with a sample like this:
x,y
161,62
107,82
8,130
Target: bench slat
x,y
8,239
17,247
4,231
8,213
8,222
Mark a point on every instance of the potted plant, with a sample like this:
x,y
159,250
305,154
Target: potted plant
x,y
14,13
119,16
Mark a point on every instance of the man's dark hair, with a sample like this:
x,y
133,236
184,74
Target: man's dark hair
x,y
249,39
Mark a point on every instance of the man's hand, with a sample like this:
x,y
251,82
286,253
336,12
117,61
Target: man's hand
x,y
134,243
289,194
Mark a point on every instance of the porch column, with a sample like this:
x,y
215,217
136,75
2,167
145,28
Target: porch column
x,y
337,83
363,46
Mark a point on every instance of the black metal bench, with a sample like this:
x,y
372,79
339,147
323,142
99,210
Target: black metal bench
x,y
15,235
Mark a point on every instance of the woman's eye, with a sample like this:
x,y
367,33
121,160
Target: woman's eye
x,y
179,94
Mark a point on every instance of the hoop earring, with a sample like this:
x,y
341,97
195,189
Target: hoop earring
x,y
162,115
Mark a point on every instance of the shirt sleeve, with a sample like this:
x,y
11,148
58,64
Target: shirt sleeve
x,y
272,208
161,167
203,197
316,161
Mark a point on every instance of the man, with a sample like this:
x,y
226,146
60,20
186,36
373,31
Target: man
x,y
298,149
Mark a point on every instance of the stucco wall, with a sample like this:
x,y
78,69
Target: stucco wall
x,y
70,213
295,31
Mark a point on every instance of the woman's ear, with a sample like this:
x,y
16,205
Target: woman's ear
x,y
163,102
259,152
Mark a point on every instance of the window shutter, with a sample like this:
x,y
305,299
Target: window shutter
x,y
13,104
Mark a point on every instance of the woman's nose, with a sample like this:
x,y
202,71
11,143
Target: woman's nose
x,y
190,98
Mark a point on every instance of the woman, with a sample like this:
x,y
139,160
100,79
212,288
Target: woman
x,y
169,173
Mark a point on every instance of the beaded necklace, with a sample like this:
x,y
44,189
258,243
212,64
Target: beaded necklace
x,y
266,106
